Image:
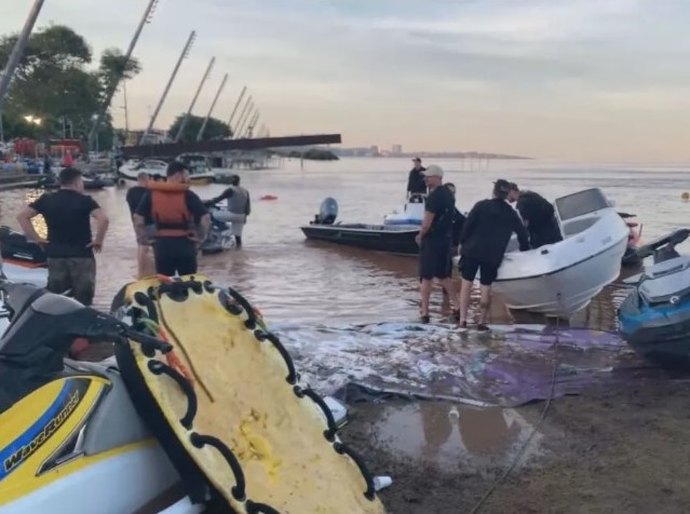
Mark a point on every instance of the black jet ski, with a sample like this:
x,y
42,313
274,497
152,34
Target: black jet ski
x,y
655,317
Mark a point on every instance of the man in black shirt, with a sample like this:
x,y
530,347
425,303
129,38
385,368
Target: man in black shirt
x,y
538,215
483,242
134,195
415,180
434,239
181,222
70,246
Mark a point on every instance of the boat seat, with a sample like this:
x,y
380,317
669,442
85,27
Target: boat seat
x,y
576,226
115,422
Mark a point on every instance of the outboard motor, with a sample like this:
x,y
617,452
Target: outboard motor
x,y
328,212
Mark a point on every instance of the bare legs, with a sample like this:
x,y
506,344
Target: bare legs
x,y
145,262
465,292
484,304
425,291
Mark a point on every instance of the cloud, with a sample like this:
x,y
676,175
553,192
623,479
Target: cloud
x,y
525,76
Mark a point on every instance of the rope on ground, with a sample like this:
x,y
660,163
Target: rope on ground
x,y
535,428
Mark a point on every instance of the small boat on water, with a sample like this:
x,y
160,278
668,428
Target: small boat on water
x,y
560,279
655,317
384,238
199,172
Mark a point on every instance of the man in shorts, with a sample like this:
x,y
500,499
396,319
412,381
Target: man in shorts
x,y
483,242
435,239
70,245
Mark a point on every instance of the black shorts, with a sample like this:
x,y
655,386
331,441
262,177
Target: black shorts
x,y
469,267
435,259
175,254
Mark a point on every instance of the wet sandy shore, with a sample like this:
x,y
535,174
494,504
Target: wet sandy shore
x,y
623,450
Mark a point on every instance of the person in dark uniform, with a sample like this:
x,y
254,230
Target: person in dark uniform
x,y
134,195
539,216
483,242
180,218
415,181
458,221
434,239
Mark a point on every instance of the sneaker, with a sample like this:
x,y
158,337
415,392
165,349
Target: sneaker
x,y
425,318
455,315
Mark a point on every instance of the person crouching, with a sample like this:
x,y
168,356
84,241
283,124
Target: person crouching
x,y
435,239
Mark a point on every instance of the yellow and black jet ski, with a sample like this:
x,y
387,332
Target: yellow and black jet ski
x,y
228,406
71,441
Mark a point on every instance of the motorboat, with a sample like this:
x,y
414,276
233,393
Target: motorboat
x,y
560,279
654,318
410,213
199,170
393,238
154,168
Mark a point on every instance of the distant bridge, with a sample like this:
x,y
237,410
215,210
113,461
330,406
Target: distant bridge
x,y
171,150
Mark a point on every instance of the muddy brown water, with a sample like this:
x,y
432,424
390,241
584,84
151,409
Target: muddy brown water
x,y
295,280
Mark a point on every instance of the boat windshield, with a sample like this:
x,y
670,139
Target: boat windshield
x,y
581,203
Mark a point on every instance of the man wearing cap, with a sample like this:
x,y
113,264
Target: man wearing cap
x,y
415,180
483,242
435,239
538,214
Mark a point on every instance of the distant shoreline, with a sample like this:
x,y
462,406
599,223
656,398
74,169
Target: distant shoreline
x,y
441,155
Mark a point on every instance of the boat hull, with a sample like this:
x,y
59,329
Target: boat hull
x,y
369,237
563,292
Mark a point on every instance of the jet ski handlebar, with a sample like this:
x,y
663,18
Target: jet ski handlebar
x,y
669,241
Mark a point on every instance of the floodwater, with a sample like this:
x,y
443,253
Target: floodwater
x,y
448,436
321,298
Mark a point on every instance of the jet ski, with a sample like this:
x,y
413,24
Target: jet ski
x,y
220,236
71,440
22,261
655,318
229,407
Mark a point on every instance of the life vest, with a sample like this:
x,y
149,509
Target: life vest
x,y
169,209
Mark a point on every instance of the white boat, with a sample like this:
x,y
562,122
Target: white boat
x,y
560,279
155,168
199,171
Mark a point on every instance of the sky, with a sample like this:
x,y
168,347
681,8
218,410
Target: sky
x,y
558,79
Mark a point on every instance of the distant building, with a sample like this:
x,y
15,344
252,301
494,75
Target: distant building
x,y
396,150
374,150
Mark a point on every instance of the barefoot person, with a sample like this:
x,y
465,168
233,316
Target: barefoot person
x,y
434,238
134,195
483,242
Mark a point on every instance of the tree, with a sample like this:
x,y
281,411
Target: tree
x,y
114,68
215,129
52,82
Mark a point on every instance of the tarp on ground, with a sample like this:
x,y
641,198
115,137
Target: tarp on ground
x,y
508,366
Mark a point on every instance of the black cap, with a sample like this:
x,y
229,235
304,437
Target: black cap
x,y
176,167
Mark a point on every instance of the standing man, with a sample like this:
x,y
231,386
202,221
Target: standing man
x,y
239,207
180,220
134,195
434,239
415,181
70,246
483,242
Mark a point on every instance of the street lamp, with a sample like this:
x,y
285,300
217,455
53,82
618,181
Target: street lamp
x,y
33,120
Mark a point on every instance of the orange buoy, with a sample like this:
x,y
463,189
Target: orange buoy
x,y
685,196
269,197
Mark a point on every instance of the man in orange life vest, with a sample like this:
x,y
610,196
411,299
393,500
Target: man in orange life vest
x,y
180,218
